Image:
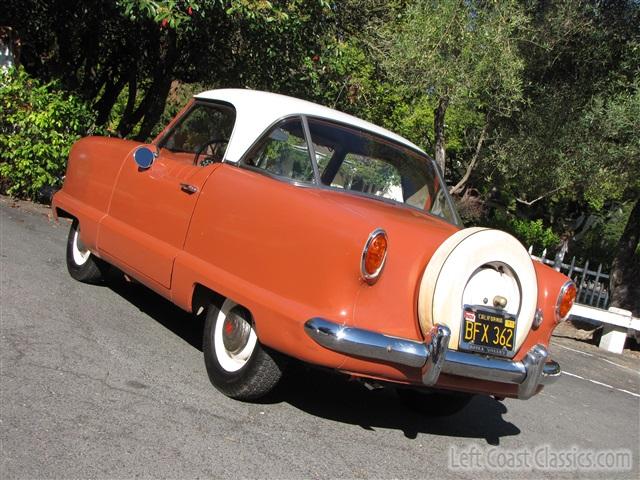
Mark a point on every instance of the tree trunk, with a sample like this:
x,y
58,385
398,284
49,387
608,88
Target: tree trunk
x,y
108,100
132,93
438,128
460,185
154,112
152,105
625,270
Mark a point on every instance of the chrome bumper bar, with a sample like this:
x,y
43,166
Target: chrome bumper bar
x,y
434,356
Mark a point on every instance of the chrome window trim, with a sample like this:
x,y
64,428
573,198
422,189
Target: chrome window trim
x,y
266,173
311,149
242,163
458,220
372,278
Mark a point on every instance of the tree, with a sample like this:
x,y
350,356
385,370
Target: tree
x,y
625,268
459,53
577,142
100,49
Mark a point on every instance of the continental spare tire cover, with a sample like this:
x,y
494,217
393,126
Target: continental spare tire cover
x,y
478,266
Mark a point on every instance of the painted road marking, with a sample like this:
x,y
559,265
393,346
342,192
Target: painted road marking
x,y
599,358
574,350
602,384
621,366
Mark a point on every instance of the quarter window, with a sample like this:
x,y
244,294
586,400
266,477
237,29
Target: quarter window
x,y
284,152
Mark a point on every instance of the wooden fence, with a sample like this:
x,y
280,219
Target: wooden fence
x,y
593,285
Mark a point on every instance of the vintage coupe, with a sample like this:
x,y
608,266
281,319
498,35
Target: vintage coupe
x,y
303,232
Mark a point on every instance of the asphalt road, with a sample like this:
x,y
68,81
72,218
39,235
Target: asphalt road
x,y
109,382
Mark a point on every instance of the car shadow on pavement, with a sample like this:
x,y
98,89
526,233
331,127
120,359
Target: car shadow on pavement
x,y
329,395
173,318
332,396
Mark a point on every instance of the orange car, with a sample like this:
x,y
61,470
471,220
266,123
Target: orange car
x,y
302,232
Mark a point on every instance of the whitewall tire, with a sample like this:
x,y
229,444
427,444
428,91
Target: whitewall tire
x,y
81,263
237,364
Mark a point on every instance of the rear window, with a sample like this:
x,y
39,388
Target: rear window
x,y
353,160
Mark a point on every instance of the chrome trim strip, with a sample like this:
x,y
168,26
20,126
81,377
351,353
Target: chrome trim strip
x,y
311,149
364,343
434,356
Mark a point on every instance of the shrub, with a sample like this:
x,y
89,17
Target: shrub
x,y
38,124
529,232
533,232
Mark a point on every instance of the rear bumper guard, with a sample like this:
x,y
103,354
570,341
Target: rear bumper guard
x,y
434,356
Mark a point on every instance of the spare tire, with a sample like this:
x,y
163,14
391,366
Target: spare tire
x,y
477,266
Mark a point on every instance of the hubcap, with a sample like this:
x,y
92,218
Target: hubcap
x,y
234,337
235,331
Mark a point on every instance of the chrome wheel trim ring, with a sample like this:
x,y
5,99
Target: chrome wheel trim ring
x,y
237,351
79,252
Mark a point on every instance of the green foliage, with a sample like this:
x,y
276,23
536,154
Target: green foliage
x,y
463,51
533,232
168,13
529,232
600,241
39,124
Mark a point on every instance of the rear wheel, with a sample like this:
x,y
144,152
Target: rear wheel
x,y
237,364
82,265
434,403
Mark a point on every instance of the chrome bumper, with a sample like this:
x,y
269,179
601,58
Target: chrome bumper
x,y
434,356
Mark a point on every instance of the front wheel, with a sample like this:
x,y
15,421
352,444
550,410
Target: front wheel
x,y
237,364
82,265
434,403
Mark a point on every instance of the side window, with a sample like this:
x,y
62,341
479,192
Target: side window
x,y
284,152
203,133
371,175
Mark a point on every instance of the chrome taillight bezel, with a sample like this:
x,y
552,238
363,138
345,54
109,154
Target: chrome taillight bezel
x,y
372,278
563,290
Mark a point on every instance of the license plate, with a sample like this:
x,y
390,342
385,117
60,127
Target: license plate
x,y
488,331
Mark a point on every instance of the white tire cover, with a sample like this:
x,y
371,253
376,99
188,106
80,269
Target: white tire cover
x,y
454,262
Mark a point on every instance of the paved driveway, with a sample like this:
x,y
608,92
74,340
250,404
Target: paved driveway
x,y
109,381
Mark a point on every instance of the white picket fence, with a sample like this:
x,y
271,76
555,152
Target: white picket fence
x,y
593,285
592,302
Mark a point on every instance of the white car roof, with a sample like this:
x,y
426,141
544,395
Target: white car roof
x,y
256,111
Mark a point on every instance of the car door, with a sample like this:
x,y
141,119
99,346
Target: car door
x,y
151,208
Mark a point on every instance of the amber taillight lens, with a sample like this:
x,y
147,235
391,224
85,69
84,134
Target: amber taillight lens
x,y
374,256
566,298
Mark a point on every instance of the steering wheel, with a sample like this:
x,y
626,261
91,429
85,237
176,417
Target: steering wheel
x,y
214,155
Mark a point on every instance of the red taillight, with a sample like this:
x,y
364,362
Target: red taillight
x,y
373,256
566,298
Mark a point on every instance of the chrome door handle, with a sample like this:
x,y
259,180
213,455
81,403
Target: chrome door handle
x,y
190,189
